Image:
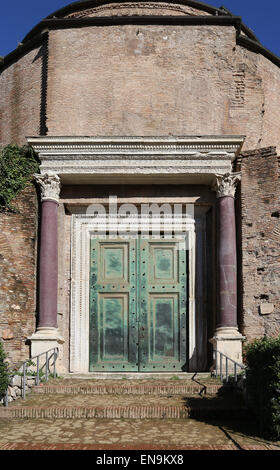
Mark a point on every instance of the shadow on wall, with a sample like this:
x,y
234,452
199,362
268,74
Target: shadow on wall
x,y
43,55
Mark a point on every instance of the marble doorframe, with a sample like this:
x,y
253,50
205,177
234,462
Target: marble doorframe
x,y
83,227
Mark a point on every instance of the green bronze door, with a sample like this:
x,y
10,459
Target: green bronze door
x,y
138,305
113,332
162,305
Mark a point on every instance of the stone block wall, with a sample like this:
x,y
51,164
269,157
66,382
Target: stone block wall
x,y
18,260
260,249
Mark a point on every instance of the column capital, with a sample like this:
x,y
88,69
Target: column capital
x,y
50,186
225,185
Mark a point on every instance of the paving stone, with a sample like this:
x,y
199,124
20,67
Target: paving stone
x,y
211,432
168,434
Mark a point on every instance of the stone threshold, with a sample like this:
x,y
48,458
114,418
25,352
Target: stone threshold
x,y
127,389
136,375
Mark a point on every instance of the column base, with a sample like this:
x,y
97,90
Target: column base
x,y
44,339
228,341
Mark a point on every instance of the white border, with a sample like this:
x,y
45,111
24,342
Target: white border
x,y
82,228
132,156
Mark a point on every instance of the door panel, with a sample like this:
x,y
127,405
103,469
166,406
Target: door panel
x,y
113,326
162,327
138,305
113,315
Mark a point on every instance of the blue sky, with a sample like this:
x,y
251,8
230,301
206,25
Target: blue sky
x,y
19,16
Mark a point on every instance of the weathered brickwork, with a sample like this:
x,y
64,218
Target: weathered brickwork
x,y
260,219
270,131
18,257
160,80
20,98
143,80
138,8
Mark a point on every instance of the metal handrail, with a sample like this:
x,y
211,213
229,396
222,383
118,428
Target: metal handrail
x,y
219,372
24,366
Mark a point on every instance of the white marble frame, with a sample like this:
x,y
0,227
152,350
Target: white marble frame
x,y
108,160
97,159
82,228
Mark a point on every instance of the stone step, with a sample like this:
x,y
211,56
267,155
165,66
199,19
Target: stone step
x,y
121,406
118,412
108,400
102,388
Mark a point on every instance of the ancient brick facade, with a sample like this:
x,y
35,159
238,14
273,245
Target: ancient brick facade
x,y
21,98
159,79
142,80
260,254
18,256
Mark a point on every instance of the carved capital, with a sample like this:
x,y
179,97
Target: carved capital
x,y
50,186
225,185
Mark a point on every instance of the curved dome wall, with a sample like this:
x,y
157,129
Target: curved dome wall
x,y
96,68
140,79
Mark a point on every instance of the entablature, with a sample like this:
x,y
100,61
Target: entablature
x,y
189,159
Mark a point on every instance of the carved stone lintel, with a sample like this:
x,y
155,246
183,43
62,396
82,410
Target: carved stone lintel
x,y
225,185
50,186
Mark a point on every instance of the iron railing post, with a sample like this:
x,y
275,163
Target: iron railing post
x,y
216,363
37,372
226,370
24,380
54,364
221,366
47,366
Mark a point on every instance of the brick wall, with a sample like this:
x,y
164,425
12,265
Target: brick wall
x,y
141,80
18,248
147,80
160,80
139,8
20,98
260,250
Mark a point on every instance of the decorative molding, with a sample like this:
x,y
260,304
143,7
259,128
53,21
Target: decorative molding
x,y
225,185
84,226
50,186
203,143
124,156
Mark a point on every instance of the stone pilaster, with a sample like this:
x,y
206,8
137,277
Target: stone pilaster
x,y
47,335
227,338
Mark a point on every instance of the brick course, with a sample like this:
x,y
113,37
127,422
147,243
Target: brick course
x,y
18,248
260,251
145,80
20,98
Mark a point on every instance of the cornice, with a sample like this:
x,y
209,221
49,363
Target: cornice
x,y
136,144
165,156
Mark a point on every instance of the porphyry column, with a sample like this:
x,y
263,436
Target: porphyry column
x,y
227,338
47,336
